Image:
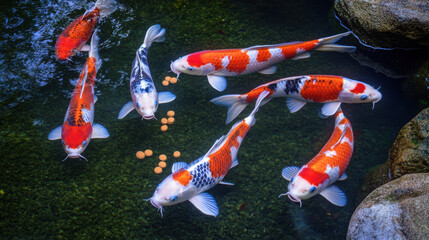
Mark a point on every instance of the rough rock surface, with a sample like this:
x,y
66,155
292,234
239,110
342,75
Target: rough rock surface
x,y
397,210
410,151
387,23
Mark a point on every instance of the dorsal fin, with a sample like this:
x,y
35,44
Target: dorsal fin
x,y
215,146
269,46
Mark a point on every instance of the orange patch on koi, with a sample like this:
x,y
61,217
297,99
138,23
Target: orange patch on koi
x,y
183,177
360,88
322,89
263,55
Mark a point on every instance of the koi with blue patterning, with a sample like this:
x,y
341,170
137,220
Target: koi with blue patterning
x,y
190,181
143,91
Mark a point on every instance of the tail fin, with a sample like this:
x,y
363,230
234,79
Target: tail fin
x,y
328,44
106,7
93,51
154,34
234,104
251,118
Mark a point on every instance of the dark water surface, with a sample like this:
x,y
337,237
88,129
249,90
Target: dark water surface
x,y
43,197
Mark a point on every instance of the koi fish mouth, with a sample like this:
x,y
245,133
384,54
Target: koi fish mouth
x,y
75,156
148,117
160,208
292,198
173,69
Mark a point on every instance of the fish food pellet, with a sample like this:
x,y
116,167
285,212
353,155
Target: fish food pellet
x,y
164,128
165,83
176,154
173,80
164,120
140,155
148,152
162,157
170,120
170,113
168,78
162,164
157,170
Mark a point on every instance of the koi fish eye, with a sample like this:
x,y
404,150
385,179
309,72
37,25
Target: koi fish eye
x,y
63,142
190,68
363,97
292,179
312,189
137,105
173,198
84,143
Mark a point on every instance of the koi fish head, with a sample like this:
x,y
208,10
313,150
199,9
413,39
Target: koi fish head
x,y
191,64
306,184
358,92
170,192
146,104
75,139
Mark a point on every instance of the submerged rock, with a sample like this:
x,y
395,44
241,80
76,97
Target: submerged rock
x,y
387,23
396,210
410,151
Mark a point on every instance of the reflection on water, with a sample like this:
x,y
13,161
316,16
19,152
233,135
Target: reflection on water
x,y
105,197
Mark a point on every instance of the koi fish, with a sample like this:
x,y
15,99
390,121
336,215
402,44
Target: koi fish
x,y
78,128
328,166
190,181
216,64
143,91
330,90
74,37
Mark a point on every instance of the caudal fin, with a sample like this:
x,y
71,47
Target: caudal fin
x,y
154,34
93,51
328,44
106,7
233,102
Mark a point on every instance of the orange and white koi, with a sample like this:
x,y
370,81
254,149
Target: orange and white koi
x,y
143,92
327,89
74,37
78,128
190,181
216,64
328,166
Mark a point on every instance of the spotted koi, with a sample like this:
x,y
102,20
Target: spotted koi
x,y
327,89
74,37
78,128
328,166
143,91
216,64
190,181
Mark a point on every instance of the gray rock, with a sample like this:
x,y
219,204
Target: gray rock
x,y
397,210
387,23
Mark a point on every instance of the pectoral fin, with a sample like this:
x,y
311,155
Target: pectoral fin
x,y
301,56
165,97
226,183
330,108
55,134
289,172
334,195
127,108
99,131
177,166
343,177
205,203
217,82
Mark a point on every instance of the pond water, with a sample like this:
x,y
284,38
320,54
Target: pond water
x,y
44,197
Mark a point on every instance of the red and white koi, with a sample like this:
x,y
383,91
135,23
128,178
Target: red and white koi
x,y
143,91
78,128
190,181
330,90
216,64
74,37
328,166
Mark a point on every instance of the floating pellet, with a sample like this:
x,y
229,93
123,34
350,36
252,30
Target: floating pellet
x,y
140,155
173,80
170,113
148,152
164,120
162,164
165,83
162,157
164,128
176,154
157,170
170,120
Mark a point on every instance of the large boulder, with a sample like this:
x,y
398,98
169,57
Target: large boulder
x,y
397,210
410,151
409,154
387,23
